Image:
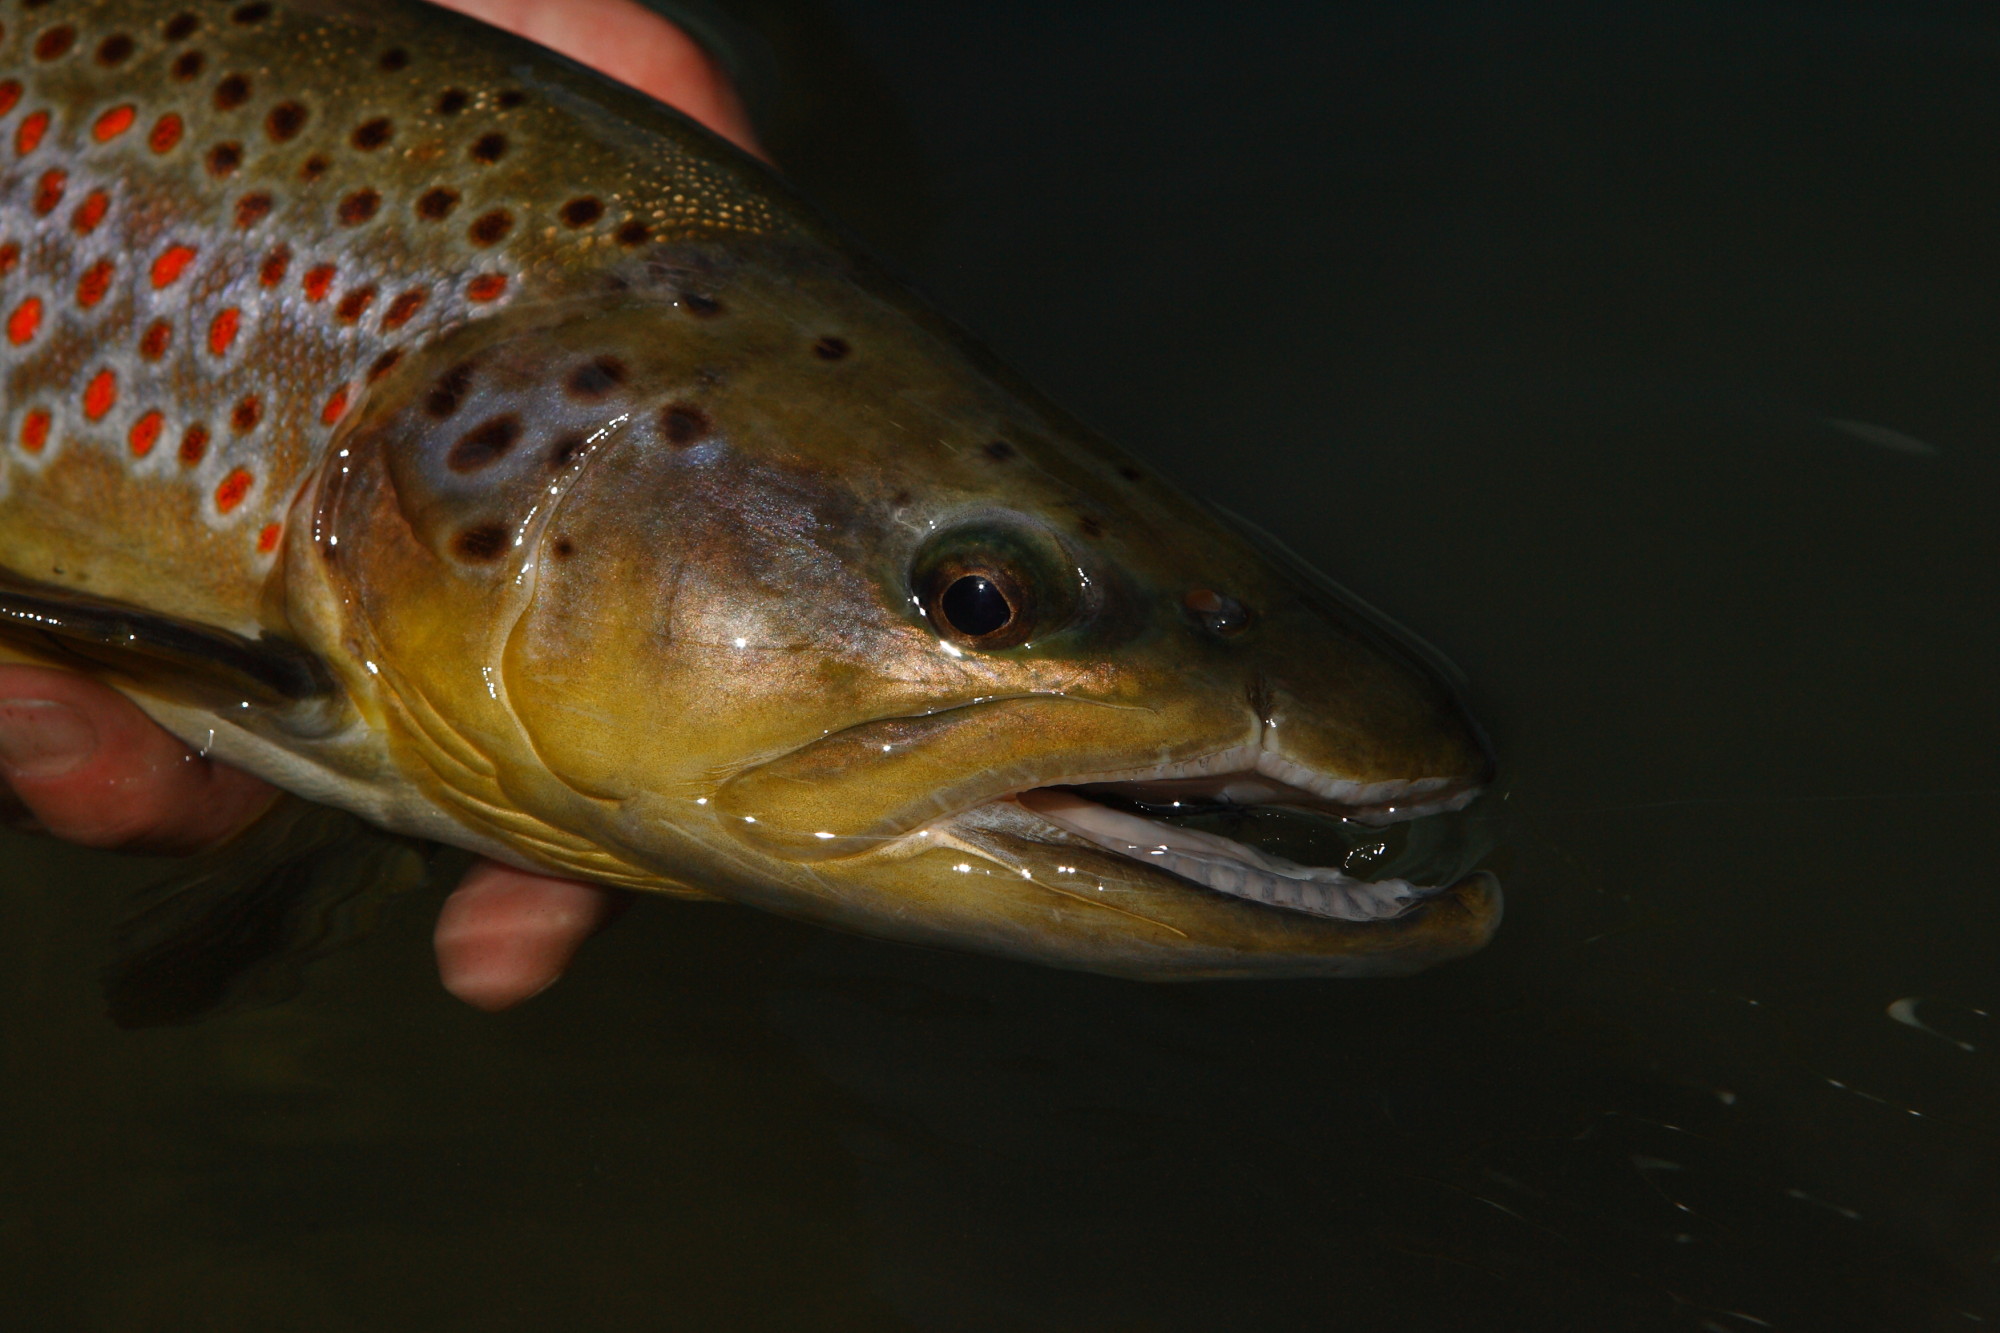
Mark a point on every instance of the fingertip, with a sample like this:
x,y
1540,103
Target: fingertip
x,y
92,768
634,45
506,935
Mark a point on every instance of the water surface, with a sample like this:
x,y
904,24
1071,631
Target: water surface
x,y
1643,357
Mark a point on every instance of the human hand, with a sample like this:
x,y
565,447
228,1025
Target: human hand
x,y
91,768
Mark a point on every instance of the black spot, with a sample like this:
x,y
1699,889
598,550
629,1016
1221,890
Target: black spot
x,y
314,167
453,101
252,209
489,148
188,64
355,304
597,378
393,59
224,158
436,205
232,92
251,13
180,27
1130,473
564,548
384,364
900,499
285,121
1092,526
484,444
491,228
358,207
830,349
243,418
999,451
697,304
512,98
568,447
443,398
682,424
482,543
582,212
114,50
55,42
372,134
634,232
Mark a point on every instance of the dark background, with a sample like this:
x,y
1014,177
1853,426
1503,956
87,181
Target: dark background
x,y
1644,357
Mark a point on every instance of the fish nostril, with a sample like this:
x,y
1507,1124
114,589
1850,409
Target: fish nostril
x,y
1217,612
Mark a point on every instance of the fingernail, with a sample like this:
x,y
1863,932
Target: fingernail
x,y
42,739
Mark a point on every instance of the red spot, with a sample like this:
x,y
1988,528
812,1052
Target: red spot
x,y
318,282
168,268
249,410
10,95
486,287
403,308
275,265
29,136
27,317
222,330
267,540
336,406
95,282
49,192
194,444
90,212
10,255
100,394
232,490
35,431
146,433
166,133
157,339
113,123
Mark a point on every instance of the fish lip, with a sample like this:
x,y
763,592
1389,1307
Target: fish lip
x,y
1210,863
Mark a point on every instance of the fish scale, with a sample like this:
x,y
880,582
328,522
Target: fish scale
x,y
220,223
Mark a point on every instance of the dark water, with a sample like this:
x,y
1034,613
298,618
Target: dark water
x,y
1535,323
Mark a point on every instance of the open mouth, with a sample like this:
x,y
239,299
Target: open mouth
x,y
1275,833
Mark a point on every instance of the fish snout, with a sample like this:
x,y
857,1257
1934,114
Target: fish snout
x,y
1344,694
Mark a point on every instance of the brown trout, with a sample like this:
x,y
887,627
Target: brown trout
x,y
451,435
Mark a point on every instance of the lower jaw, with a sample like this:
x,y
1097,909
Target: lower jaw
x,y
1208,860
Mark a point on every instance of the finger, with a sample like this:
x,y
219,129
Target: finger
x,y
92,768
506,935
633,45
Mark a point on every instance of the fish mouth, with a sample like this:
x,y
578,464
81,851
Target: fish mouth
x,y
1260,828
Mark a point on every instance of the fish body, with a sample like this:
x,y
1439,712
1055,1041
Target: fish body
x,y
451,435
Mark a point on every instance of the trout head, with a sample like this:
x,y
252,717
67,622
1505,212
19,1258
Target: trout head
x,y
746,577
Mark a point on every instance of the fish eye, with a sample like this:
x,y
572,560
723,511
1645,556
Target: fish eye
x,y
993,584
979,602
975,607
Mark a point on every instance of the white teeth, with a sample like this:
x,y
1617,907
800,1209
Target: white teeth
x,y
1400,797
1371,802
1224,865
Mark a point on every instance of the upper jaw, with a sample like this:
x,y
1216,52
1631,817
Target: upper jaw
x,y
1254,775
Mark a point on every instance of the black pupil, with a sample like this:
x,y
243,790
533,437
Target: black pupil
x,y
975,607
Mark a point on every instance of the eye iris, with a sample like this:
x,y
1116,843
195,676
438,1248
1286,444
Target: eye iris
x,y
975,607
